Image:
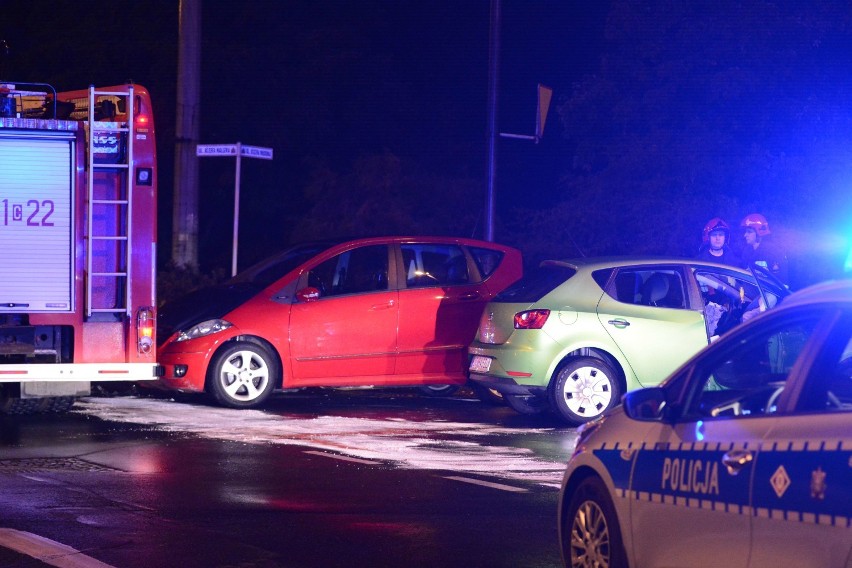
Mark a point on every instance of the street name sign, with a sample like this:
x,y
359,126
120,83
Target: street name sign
x,y
227,150
238,151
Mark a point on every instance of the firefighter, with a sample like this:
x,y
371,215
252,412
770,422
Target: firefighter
x,y
760,249
715,245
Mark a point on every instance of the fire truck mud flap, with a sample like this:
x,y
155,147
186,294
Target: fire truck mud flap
x,y
12,404
41,389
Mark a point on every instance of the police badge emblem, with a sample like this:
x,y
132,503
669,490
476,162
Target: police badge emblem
x,y
818,484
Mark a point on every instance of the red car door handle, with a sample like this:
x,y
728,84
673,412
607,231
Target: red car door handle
x,y
470,296
619,322
385,306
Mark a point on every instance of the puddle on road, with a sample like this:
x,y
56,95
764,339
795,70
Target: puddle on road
x,y
416,445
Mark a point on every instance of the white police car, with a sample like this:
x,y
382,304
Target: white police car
x,y
742,458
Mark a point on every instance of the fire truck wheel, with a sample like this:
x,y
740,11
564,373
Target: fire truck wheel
x,y
18,406
242,375
57,404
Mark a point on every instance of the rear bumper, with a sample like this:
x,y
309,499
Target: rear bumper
x,y
505,385
62,372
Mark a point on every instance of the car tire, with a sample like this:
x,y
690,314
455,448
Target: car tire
x,y
18,406
242,375
487,395
439,390
56,404
526,404
583,389
591,535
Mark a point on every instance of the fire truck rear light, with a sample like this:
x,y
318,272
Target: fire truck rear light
x,y
142,119
145,329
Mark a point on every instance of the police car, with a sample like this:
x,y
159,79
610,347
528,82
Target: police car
x,y
741,458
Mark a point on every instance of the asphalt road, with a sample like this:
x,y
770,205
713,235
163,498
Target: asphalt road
x,y
318,478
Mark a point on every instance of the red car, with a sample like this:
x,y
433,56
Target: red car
x,y
392,311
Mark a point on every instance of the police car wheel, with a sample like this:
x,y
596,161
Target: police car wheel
x,y
242,375
590,532
583,389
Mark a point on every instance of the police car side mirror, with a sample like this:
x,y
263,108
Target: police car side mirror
x,y
646,405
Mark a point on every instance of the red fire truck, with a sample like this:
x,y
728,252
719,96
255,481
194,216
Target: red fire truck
x,y
77,242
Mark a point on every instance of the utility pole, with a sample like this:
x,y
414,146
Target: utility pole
x,y
185,211
543,105
493,69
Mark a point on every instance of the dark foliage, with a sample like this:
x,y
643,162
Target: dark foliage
x,y
376,113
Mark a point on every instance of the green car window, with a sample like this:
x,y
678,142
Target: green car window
x,y
657,287
536,284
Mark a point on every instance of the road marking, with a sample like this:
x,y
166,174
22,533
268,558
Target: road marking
x,y
46,550
490,484
343,458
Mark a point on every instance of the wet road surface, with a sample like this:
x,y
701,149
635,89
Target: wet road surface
x,y
317,478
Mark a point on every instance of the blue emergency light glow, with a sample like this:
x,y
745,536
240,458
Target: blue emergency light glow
x,y
699,430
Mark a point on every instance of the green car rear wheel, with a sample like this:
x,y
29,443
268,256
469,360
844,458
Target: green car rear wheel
x,y
583,389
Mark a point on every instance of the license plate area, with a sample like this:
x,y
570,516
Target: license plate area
x,y
480,364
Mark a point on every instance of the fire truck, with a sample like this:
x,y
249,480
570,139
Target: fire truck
x,y
78,243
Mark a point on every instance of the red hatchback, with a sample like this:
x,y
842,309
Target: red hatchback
x,y
392,311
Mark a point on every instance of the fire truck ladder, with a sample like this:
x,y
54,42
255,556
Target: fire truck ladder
x,y
120,204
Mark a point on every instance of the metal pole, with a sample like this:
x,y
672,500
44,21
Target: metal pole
x,y
188,118
493,68
236,211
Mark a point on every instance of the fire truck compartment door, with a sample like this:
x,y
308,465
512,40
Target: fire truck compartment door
x,y
36,221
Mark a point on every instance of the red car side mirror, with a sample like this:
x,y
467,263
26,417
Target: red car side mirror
x,y
308,294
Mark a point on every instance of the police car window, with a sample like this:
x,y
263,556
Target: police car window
x,y
748,378
829,384
838,395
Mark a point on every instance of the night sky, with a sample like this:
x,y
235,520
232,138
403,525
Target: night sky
x,y
324,81
664,114
410,78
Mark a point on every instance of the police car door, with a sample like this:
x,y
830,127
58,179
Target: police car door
x,y
803,476
692,478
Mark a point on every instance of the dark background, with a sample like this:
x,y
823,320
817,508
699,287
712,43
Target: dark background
x,y
665,115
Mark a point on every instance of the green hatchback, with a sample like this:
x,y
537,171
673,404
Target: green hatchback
x,y
573,336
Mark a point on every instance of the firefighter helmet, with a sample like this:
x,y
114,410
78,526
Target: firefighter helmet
x,y
757,222
716,224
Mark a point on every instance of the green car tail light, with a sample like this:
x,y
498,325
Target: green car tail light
x,y
531,319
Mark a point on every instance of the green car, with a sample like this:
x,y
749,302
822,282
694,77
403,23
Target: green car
x,y
574,335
